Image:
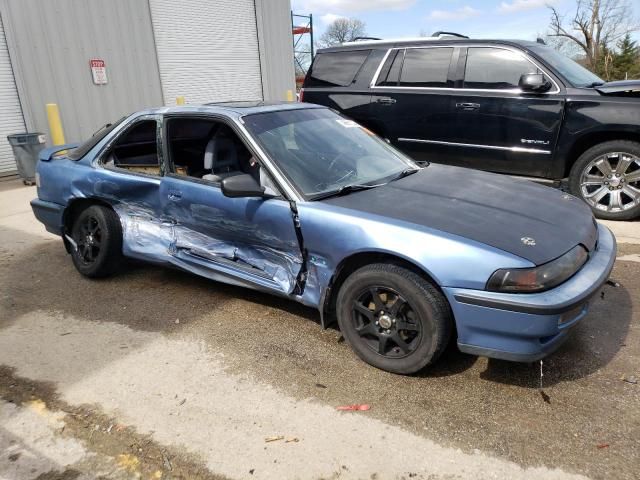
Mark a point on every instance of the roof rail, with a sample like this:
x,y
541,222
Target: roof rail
x,y
359,39
451,34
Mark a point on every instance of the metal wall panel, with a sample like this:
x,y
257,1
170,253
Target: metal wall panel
x,y
11,120
276,48
207,50
51,43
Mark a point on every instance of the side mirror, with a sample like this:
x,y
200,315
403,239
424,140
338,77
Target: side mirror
x,y
243,185
534,82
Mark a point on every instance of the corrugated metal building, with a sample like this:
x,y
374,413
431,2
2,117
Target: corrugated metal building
x,y
153,51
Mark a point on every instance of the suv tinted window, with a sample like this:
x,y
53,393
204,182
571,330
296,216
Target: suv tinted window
x,y
336,68
391,70
426,67
495,68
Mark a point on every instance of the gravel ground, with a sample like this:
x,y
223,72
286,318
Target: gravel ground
x,y
156,373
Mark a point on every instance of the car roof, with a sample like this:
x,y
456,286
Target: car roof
x,y
406,42
231,109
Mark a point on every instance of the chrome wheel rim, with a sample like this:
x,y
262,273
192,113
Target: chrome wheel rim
x,y
611,182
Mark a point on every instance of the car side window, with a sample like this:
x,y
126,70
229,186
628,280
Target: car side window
x,y
136,150
336,68
210,150
495,68
426,67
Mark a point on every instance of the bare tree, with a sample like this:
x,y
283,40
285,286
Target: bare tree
x,y
596,26
342,30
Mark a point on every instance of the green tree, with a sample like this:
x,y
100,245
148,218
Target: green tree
x,y
626,61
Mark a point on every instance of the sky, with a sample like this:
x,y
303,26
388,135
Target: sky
x,y
521,19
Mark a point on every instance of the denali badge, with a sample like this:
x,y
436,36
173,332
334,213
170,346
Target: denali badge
x,y
535,142
528,241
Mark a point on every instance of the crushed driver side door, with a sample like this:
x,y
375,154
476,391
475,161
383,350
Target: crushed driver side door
x,y
244,241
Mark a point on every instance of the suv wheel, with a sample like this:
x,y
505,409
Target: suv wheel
x,y
393,318
607,177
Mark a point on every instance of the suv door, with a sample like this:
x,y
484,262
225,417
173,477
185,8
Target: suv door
x,y
412,99
498,127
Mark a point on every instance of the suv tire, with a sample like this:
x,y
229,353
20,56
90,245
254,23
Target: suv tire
x,y
607,178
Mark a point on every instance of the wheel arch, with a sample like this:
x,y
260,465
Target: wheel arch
x,y
353,262
588,140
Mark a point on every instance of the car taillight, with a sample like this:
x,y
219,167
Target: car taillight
x,y
301,95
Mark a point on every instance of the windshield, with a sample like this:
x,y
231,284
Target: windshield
x,y
575,73
322,152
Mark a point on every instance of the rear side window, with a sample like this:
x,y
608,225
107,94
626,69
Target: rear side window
x,y
336,69
426,67
495,68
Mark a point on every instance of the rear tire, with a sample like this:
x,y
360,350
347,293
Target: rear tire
x,y
97,233
393,318
607,178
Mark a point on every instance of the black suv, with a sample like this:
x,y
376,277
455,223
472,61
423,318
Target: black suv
x,y
515,107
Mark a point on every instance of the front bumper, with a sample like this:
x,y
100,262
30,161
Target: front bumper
x,y
526,327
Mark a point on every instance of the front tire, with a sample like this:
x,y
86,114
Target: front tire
x,y
393,318
607,178
97,233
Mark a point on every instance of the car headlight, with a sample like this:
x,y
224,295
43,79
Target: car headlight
x,y
540,278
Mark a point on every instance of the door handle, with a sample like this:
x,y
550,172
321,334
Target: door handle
x,y
386,100
174,195
467,107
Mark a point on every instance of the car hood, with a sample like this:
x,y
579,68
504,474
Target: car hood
x,y
622,87
520,217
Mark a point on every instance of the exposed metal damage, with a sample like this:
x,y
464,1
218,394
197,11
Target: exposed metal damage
x,y
147,236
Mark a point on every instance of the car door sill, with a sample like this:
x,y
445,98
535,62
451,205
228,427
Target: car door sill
x,y
232,269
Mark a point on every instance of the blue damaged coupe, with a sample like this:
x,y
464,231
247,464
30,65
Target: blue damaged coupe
x,y
298,201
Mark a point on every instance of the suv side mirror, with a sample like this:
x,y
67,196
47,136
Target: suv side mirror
x,y
534,82
243,185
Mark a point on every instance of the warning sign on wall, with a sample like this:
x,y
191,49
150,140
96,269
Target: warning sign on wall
x,y
98,71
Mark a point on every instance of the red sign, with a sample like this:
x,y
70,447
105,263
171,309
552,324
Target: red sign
x,y
98,71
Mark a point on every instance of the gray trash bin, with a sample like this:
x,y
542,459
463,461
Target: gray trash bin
x,y
26,147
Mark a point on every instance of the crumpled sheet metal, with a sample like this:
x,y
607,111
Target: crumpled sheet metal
x,y
146,236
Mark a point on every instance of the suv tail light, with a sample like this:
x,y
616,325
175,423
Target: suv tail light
x,y
301,95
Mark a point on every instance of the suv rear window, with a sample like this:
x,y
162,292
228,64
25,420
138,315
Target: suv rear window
x,y
336,69
426,67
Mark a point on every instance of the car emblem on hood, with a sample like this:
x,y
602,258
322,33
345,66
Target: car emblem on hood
x,y
528,241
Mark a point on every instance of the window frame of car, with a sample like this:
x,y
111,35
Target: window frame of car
x,y
457,69
237,128
119,133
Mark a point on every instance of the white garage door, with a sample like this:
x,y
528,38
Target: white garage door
x,y
11,120
207,50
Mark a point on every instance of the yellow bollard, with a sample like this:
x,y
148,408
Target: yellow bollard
x,y
55,125
180,100
289,95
